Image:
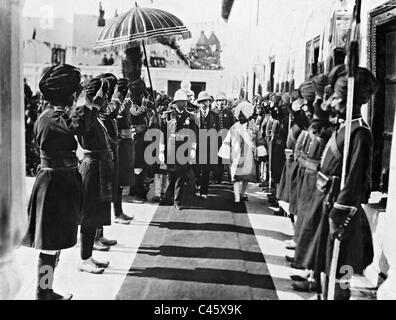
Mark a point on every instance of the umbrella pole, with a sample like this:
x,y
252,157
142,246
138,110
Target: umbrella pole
x,y
148,70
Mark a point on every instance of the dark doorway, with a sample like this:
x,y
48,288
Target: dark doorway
x,y
385,99
173,86
197,87
272,76
382,62
315,67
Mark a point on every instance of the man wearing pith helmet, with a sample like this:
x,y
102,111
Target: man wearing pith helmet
x,y
175,135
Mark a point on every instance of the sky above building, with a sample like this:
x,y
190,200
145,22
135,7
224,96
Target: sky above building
x,y
196,15
191,10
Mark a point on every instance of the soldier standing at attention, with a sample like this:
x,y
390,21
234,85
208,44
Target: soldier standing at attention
x,y
125,151
356,249
139,127
55,202
108,115
97,173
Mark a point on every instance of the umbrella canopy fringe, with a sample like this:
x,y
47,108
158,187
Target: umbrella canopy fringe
x,y
112,47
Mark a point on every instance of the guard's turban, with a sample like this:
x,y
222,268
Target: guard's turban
x,y
59,82
336,72
365,86
267,95
246,108
275,98
123,84
91,87
320,82
286,98
112,80
138,88
295,94
307,91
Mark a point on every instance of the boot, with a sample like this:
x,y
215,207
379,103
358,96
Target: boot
x,y
90,267
299,275
45,279
290,244
100,239
100,264
304,286
290,257
123,219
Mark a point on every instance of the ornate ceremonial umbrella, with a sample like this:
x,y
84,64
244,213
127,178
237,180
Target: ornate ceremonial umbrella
x,y
140,26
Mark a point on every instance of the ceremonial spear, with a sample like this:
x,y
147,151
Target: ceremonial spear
x,y
352,65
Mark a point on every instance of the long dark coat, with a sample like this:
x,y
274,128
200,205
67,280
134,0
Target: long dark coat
x,y
312,152
278,145
97,172
140,125
284,188
211,122
267,137
169,130
126,147
295,173
56,198
226,119
108,118
356,248
156,123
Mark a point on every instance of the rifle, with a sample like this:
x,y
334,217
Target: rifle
x,y
352,64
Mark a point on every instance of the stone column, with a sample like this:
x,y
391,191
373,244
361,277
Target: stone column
x,y
387,291
12,146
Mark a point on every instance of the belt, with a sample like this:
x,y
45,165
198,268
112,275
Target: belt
x,y
309,163
326,184
93,155
139,128
114,140
126,133
58,160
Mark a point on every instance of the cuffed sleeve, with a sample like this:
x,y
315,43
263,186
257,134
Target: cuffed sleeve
x,y
339,213
113,108
82,118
